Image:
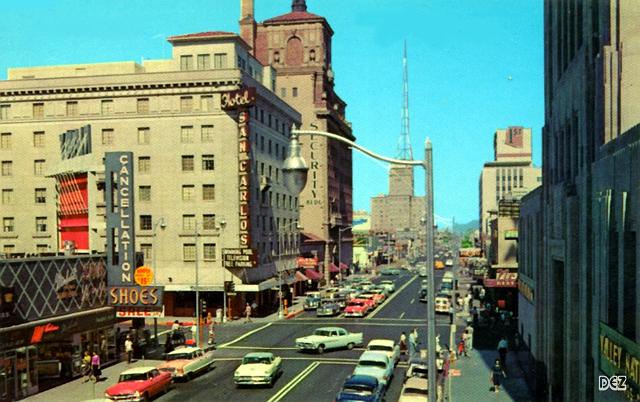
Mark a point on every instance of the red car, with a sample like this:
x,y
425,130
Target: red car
x,y
139,384
358,307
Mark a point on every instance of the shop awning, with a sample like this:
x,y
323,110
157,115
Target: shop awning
x,y
343,266
333,268
312,274
300,277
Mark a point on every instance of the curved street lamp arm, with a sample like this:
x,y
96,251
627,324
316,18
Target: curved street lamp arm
x,y
359,148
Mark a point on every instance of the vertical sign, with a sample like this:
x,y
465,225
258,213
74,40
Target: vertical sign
x,y
244,177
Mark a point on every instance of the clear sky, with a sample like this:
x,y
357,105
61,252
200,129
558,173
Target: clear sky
x,y
474,66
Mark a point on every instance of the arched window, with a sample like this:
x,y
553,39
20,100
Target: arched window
x,y
276,57
294,52
312,55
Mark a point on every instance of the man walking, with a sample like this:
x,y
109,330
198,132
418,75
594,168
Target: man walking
x,y
128,348
502,350
451,312
247,312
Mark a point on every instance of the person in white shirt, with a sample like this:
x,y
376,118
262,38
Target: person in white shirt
x,y
128,348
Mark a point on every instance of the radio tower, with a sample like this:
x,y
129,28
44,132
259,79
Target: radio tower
x,y
404,142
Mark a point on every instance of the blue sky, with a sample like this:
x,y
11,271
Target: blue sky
x,y
461,55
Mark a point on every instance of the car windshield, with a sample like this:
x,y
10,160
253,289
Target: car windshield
x,y
380,347
372,363
322,332
417,391
256,360
418,371
133,377
360,390
179,356
356,303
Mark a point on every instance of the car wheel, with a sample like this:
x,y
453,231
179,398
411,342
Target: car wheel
x,y
320,349
145,397
272,381
165,389
350,345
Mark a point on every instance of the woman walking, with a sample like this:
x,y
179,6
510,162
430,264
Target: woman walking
x,y
497,374
95,366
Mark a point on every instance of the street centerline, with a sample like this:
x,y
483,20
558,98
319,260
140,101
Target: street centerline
x,y
244,336
397,292
293,383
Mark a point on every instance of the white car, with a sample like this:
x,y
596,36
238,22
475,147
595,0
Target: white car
x,y
375,364
415,389
389,285
385,345
329,338
449,262
187,361
442,303
258,368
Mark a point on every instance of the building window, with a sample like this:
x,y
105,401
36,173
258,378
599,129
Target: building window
x,y
144,193
294,92
188,223
186,134
38,167
42,248
188,192
208,222
204,62
209,250
5,141
312,55
142,105
220,60
7,196
186,63
72,109
208,162
7,168
276,57
38,139
8,249
144,164
38,110
206,103
208,192
4,112
107,136
189,252
283,92
206,133
147,251
41,195
41,224
186,103
145,222
187,163
8,225
144,135
106,107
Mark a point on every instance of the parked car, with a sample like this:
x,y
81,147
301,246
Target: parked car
x,y
361,388
185,362
341,298
389,285
258,368
376,364
417,368
424,294
329,338
449,262
376,298
358,307
442,303
381,290
328,308
390,271
311,302
387,346
415,389
139,384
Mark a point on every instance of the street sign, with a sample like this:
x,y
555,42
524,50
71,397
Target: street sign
x,y
239,258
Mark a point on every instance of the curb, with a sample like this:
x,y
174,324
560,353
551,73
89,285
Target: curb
x,y
294,314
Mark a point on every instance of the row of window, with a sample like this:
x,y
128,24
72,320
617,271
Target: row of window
x,y
203,62
8,198
6,168
6,142
107,107
8,224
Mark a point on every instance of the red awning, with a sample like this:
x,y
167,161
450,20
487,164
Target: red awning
x,y
300,277
343,266
333,268
312,274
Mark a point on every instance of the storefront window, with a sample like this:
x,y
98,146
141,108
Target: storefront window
x,y
26,370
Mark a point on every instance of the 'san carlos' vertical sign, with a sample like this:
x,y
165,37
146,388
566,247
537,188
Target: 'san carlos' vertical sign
x,y
121,247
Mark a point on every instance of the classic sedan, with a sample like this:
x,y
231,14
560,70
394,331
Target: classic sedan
x,y
361,388
139,384
185,362
376,364
329,338
387,346
258,368
358,308
389,285
415,389
311,303
328,309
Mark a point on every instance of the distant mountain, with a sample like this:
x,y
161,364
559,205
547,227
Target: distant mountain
x,y
467,227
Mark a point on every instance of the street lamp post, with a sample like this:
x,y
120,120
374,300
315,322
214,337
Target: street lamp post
x,y
340,252
153,266
295,172
197,289
221,225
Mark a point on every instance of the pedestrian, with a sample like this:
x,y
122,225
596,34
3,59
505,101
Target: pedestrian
x,y
86,365
403,343
247,312
469,340
474,314
175,327
95,366
103,349
461,348
451,313
211,330
128,348
413,342
438,347
502,350
497,374
459,303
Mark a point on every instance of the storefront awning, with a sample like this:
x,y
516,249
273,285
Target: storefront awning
x,y
312,274
343,266
333,268
300,277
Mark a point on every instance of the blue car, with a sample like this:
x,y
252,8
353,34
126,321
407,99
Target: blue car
x,y
361,388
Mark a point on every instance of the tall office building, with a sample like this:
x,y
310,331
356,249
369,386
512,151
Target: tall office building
x,y
298,46
585,279
208,135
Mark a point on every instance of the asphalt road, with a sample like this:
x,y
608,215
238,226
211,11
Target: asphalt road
x,y
309,376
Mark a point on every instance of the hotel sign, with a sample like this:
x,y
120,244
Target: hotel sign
x,y
238,99
121,258
239,258
620,356
244,179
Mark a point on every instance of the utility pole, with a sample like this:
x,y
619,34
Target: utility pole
x,y
431,316
197,291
